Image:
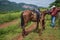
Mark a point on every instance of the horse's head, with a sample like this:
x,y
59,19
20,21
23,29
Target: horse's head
x,y
26,16
44,12
58,8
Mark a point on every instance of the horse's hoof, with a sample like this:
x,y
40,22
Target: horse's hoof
x,y
40,33
43,29
26,33
23,35
35,30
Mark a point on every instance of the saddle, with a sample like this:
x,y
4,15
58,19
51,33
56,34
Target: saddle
x,y
36,13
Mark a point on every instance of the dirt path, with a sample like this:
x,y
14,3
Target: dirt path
x,y
8,23
20,37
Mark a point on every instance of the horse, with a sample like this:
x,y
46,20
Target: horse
x,y
58,10
43,14
26,16
42,19
29,15
55,12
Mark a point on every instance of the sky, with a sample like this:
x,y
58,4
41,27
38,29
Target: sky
x,y
44,3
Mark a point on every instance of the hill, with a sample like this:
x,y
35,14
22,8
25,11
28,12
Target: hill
x,y
7,6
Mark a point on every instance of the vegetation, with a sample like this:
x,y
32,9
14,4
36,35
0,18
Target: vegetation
x,y
10,32
57,3
9,17
7,6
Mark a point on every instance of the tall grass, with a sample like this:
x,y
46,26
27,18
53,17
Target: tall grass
x,y
10,32
9,17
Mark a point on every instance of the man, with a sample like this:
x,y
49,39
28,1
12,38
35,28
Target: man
x,y
53,15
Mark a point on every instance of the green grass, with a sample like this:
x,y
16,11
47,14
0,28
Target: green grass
x,y
10,32
9,17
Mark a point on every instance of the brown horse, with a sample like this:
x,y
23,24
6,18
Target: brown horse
x,y
29,15
42,20
26,16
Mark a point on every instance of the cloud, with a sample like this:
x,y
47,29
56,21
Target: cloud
x,y
44,3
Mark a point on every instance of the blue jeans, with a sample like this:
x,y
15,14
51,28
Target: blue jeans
x,y
53,21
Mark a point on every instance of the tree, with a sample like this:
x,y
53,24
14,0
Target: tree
x,y
57,3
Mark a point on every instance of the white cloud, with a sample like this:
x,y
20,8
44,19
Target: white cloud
x,y
35,2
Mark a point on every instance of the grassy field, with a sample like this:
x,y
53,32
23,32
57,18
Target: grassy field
x,y
9,17
12,31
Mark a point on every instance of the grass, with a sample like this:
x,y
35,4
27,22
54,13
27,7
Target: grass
x,y
9,17
10,32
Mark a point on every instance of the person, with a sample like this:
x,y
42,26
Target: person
x,y
53,15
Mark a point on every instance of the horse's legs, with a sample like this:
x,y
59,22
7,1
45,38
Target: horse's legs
x,y
26,20
23,31
22,25
40,27
37,26
43,24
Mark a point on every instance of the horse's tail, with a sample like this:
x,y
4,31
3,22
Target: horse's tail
x,y
22,20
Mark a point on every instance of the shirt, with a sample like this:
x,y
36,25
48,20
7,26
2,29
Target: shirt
x,y
53,12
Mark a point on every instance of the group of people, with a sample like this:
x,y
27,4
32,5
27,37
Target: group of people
x,y
52,12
